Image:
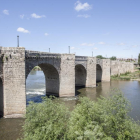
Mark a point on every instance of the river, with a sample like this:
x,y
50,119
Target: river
x,y
10,129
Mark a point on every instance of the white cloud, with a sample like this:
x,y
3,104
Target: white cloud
x,y
135,46
20,29
121,44
102,43
6,12
79,6
88,44
37,16
95,48
72,48
21,16
46,34
84,16
83,44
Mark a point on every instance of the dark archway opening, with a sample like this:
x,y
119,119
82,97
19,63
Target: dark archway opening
x,y
98,73
51,79
1,99
80,75
41,82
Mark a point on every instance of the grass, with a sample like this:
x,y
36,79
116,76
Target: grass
x,y
127,76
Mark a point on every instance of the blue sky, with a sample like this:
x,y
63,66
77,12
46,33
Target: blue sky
x,y
106,27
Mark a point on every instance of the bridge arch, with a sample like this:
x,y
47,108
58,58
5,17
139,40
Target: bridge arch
x,y
80,75
51,78
98,73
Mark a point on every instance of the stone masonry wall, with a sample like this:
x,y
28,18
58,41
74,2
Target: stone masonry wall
x,y
67,75
120,67
114,67
91,72
14,81
106,70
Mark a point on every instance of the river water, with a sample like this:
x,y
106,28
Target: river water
x,y
10,129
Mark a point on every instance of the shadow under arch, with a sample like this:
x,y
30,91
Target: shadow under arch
x,y
80,75
1,99
98,73
51,78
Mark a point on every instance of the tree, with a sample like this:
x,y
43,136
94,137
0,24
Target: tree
x,y
113,58
100,57
139,59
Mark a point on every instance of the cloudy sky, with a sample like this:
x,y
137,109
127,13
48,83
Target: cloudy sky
x,y
106,27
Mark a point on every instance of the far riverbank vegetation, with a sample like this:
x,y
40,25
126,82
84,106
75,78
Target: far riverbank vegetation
x,y
37,68
127,76
105,119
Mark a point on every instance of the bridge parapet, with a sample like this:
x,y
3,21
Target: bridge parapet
x,y
37,54
81,58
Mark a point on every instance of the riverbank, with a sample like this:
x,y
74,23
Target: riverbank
x,y
127,76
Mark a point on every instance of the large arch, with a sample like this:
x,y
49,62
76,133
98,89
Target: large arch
x,y
98,73
80,75
1,98
51,78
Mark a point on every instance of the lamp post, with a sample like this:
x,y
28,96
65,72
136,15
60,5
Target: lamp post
x,y
69,49
17,41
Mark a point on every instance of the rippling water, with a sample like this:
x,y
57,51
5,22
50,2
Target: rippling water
x,y
35,89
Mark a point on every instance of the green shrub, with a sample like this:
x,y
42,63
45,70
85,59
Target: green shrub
x,y
45,121
106,119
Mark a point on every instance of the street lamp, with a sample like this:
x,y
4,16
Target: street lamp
x,y
17,41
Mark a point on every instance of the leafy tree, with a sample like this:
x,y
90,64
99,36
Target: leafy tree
x,y
113,58
139,59
100,56
106,119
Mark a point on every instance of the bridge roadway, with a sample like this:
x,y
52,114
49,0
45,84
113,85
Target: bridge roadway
x,y
62,73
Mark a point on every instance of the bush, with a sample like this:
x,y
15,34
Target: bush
x,y
45,121
106,119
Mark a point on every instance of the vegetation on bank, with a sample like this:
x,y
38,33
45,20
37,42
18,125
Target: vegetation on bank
x,y
36,68
139,58
111,58
106,119
127,76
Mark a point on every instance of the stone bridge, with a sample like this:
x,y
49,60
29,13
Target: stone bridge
x,y
62,73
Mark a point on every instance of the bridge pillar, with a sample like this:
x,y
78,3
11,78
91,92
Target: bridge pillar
x,y
91,72
14,97
106,70
114,64
67,75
